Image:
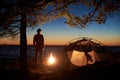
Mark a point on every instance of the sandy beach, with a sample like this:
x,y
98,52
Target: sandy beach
x,y
10,70
83,73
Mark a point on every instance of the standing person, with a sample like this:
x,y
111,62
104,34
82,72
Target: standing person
x,y
38,42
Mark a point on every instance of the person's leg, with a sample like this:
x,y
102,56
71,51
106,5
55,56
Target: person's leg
x,y
40,57
36,56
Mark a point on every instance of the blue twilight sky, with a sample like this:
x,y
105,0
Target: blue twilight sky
x,y
56,32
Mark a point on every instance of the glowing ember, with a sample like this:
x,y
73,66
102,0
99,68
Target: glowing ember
x,y
51,59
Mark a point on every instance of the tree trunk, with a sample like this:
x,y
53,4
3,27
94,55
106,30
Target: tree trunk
x,y
23,43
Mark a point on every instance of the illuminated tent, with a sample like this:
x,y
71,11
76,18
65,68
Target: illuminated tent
x,y
83,51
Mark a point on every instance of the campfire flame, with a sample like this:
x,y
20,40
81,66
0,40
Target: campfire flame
x,y
51,59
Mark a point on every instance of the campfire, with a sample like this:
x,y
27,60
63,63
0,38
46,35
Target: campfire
x,y
51,59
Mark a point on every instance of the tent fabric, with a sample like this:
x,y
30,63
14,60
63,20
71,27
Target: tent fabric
x,y
85,51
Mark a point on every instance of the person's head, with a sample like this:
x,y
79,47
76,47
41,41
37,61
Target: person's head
x,y
38,30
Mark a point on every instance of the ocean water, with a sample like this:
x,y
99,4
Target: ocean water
x,y
13,51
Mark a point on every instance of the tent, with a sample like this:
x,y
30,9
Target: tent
x,y
84,51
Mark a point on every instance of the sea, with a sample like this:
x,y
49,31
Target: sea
x,y
13,51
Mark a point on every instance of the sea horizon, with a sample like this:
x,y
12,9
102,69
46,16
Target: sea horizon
x,y
52,45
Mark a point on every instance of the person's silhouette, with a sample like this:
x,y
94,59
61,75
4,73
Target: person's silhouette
x,y
38,42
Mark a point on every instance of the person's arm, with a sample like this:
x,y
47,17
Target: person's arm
x,y
34,41
43,41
